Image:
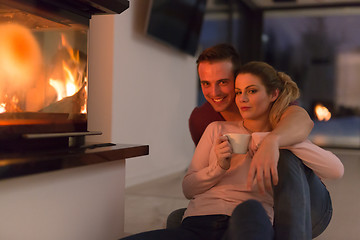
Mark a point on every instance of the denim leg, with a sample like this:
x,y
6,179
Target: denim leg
x,y
175,218
249,221
292,220
209,227
164,234
321,206
302,204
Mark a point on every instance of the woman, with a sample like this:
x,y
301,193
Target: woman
x,y
224,203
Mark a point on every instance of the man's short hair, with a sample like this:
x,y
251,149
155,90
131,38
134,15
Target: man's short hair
x,y
220,52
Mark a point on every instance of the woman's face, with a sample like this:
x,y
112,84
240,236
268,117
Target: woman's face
x,y
252,98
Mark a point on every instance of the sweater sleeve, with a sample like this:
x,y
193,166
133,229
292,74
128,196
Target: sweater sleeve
x,y
324,163
203,172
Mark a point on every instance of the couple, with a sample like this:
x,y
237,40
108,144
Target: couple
x,y
232,195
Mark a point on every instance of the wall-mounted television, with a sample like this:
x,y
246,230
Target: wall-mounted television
x,y
177,23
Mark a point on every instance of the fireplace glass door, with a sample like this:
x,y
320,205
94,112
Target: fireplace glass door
x,y
43,74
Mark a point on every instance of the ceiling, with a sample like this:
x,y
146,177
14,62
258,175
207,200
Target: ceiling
x,y
283,4
271,4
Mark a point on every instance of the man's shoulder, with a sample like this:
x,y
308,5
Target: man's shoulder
x,y
200,118
206,106
206,111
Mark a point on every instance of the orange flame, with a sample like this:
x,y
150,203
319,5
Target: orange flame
x,y
73,78
322,113
84,107
2,107
75,56
20,62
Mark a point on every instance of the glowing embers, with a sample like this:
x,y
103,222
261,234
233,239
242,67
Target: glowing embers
x,y
2,108
322,113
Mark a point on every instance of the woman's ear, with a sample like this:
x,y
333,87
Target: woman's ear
x,y
274,95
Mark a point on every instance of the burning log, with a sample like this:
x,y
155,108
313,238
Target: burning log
x,y
72,104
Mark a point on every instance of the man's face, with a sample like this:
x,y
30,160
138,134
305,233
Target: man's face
x,y
217,84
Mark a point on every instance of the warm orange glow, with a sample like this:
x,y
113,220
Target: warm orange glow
x,y
2,107
74,55
67,87
20,55
10,104
20,62
84,107
25,80
322,113
58,86
71,89
73,77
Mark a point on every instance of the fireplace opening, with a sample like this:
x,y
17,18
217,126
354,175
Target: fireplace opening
x,y
43,71
37,80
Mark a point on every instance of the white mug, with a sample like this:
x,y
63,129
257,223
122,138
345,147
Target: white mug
x,y
239,142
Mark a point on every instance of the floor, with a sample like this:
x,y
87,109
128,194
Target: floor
x,y
147,205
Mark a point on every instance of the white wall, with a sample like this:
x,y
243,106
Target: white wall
x,y
347,79
144,97
74,204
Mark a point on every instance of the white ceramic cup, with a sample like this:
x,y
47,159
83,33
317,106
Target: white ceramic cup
x,y
239,142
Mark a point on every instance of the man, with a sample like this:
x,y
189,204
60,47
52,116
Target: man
x,y
216,69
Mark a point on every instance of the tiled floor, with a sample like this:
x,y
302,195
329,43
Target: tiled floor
x,y
147,205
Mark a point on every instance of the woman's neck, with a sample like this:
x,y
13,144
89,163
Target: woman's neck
x,y
231,114
257,125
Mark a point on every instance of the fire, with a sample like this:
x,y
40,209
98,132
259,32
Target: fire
x,y
67,87
73,76
2,107
74,55
322,113
27,82
58,86
84,107
9,104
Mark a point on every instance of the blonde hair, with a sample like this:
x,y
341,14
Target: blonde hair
x,y
272,80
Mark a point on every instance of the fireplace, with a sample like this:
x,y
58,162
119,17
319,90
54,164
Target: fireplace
x,y
335,126
43,71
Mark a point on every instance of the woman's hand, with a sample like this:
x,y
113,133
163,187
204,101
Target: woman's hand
x,y
264,163
223,152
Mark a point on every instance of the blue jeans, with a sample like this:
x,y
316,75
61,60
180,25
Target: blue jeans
x,y
302,204
248,221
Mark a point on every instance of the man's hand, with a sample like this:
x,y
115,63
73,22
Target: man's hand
x,y
223,152
264,163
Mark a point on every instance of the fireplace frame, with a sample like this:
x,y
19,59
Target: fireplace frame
x,y
55,134
64,11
